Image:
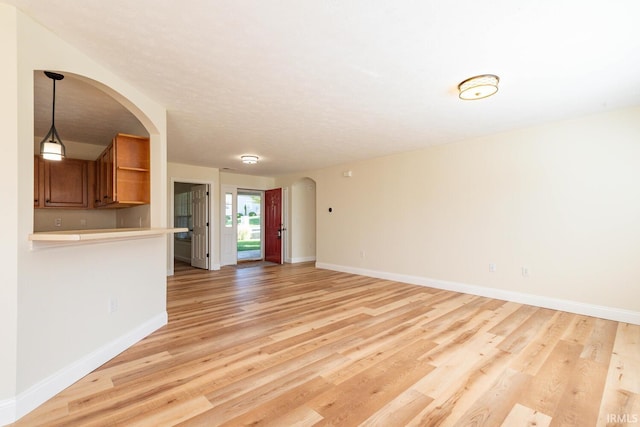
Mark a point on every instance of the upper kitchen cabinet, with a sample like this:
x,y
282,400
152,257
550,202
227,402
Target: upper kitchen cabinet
x,y
62,184
38,167
123,173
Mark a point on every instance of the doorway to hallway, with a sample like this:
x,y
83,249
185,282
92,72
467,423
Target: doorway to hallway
x,y
191,211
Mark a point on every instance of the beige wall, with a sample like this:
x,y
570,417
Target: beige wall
x,y
302,228
60,293
247,182
87,219
562,200
73,219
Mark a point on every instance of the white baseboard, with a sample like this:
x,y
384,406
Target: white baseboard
x,y
7,411
295,260
13,409
610,313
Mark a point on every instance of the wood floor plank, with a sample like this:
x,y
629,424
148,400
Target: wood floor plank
x,y
375,387
600,343
546,389
625,359
621,395
277,411
294,345
584,387
497,402
522,416
400,410
580,330
452,401
256,391
524,334
512,322
535,353
172,414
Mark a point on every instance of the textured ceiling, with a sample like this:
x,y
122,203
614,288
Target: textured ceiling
x,y
308,84
83,112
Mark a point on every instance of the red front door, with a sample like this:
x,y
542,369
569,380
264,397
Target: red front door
x,y
273,225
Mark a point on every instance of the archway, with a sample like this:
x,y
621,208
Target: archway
x,y
88,115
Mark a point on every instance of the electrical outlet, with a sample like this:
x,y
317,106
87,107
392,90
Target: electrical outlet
x,y
83,222
113,304
492,268
362,254
57,222
525,271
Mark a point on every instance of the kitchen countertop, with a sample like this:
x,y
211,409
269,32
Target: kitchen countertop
x,y
101,234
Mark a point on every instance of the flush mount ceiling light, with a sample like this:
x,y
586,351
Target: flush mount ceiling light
x,y
479,87
51,146
249,160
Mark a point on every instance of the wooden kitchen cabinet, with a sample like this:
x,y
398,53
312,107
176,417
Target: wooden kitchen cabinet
x,y
61,184
104,175
123,173
38,165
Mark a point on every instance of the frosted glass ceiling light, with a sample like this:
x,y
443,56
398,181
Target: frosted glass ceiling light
x,y
478,87
51,146
249,160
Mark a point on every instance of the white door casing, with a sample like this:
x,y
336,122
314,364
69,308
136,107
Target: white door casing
x,y
228,228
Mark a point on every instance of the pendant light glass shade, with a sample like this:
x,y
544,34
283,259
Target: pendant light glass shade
x,y
52,150
51,146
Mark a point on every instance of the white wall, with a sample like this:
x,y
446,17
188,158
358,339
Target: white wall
x,y
63,327
562,200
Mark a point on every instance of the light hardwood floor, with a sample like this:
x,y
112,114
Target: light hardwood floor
x,y
294,345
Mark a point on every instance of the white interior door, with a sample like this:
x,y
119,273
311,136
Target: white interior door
x,y
229,225
200,232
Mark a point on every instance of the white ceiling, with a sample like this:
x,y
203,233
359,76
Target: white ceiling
x,y
308,84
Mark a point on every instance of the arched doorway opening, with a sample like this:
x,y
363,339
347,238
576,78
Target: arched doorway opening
x,y
88,114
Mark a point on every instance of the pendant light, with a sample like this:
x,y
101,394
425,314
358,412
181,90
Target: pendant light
x,y
51,146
